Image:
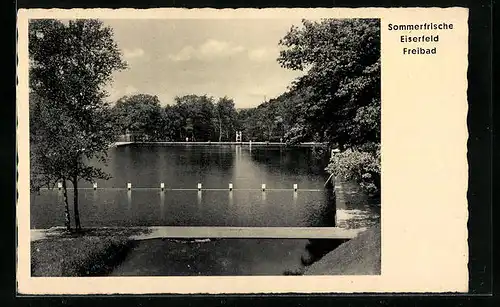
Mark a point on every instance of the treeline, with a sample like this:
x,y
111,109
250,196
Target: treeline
x,y
198,118
203,118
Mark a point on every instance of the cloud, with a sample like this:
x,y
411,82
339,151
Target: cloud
x,y
185,54
263,54
209,50
133,53
214,48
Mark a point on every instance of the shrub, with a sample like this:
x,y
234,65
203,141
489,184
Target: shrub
x,y
361,164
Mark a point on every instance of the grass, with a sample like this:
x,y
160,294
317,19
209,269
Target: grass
x,y
75,255
359,256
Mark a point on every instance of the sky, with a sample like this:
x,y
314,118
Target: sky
x,y
175,57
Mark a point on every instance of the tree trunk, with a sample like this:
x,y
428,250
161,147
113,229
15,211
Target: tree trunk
x,y
67,218
75,205
220,131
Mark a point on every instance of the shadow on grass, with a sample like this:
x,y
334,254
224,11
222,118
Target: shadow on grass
x,y
78,254
315,250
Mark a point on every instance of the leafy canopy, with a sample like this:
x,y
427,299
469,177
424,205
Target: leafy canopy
x,y
70,123
339,93
141,113
341,61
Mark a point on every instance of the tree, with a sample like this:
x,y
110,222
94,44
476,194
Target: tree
x,y
69,65
46,164
341,58
173,123
141,114
197,114
225,116
250,122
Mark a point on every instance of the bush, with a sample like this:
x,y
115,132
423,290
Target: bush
x,y
359,164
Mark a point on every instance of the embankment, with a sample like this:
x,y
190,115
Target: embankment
x,y
85,254
359,256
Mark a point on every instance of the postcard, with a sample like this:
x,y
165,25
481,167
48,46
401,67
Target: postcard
x,y
242,151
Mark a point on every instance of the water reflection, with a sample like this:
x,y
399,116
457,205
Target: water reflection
x,y
354,208
238,152
199,198
219,257
60,197
129,201
162,203
215,167
289,160
224,257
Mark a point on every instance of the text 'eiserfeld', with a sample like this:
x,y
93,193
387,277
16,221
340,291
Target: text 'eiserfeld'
x,y
420,43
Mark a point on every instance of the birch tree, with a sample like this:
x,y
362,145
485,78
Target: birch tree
x,y
70,63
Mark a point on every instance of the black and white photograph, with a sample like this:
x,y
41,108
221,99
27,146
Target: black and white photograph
x,y
204,147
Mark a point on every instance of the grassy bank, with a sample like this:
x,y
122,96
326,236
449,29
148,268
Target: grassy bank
x,y
359,256
85,254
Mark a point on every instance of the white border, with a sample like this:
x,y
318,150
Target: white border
x,y
424,136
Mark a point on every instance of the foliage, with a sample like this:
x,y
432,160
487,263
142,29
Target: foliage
x,y
361,165
70,124
341,58
225,118
140,114
198,118
174,123
270,121
197,113
340,92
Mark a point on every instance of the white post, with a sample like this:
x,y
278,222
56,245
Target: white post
x,y
129,186
59,185
95,185
230,187
199,186
162,186
263,187
295,186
